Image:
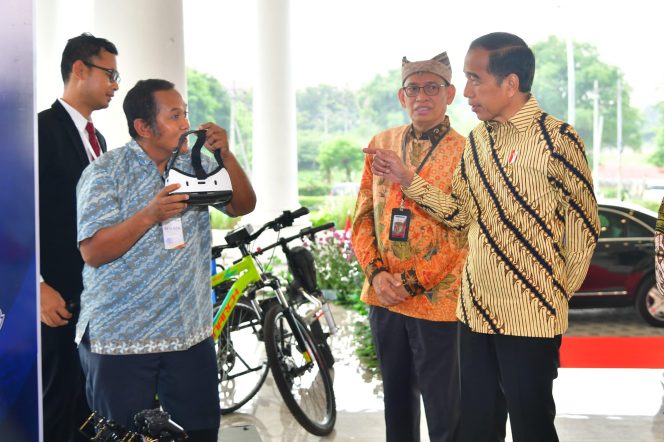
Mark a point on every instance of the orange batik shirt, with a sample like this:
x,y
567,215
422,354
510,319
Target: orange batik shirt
x,y
431,260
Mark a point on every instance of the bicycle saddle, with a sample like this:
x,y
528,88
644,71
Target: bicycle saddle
x,y
203,188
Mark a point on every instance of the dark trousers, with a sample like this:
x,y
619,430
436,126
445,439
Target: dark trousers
x,y
119,386
63,386
511,372
416,357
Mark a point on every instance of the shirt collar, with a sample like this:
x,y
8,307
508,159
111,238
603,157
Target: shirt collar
x,y
434,134
141,156
145,161
523,118
79,120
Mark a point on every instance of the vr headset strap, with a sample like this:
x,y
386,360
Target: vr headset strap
x,y
201,136
196,159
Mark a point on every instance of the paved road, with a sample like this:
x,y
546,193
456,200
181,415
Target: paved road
x,y
623,321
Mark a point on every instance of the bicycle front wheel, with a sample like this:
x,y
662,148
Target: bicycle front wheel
x,y
241,358
300,372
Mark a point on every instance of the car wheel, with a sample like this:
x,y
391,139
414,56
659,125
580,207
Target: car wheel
x,y
650,302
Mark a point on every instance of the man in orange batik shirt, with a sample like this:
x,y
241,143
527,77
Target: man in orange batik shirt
x,y
413,263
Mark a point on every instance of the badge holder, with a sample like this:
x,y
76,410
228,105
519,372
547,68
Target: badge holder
x,y
399,224
203,188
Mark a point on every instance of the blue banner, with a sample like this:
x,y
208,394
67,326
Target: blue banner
x,y
19,392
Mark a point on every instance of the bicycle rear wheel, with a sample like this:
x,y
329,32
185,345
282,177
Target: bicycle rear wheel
x,y
241,358
301,374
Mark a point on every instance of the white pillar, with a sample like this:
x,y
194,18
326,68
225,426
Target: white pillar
x,y
57,22
274,174
149,35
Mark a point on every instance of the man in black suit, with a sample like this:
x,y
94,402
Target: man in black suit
x,y
67,144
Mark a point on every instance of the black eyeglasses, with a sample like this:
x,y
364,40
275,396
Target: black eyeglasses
x,y
113,75
431,89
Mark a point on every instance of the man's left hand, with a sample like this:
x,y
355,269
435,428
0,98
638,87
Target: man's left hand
x,y
217,138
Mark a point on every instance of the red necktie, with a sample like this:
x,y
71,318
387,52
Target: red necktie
x,y
93,138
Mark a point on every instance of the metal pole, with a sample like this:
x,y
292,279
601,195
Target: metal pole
x,y
619,134
597,135
571,83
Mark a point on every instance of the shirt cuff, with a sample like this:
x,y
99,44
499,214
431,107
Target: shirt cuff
x,y
411,283
417,187
375,267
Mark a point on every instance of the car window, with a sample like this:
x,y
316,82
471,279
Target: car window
x,y
616,225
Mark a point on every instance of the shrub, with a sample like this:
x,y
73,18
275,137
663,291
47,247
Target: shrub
x,y
337,269
334,208
336,266
313,203
313,187
219,220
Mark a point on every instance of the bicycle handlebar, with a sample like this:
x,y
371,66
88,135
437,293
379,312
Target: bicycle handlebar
x,y
311,231
286,219
244,235
315,229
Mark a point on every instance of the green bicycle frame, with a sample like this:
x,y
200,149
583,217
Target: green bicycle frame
x,y
246,272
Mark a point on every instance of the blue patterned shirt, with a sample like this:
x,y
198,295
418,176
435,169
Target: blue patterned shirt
x,y
151,299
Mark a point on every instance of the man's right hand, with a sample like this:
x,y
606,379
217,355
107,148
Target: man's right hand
x,y
53,310
112,242
386,163
164,206
389,289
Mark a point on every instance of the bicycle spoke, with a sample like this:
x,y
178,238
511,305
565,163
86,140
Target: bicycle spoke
x,y
300,373
242,361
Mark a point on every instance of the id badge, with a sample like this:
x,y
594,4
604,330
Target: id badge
x,y
173,234
399,224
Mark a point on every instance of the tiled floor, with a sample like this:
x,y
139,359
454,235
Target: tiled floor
x,y
593,405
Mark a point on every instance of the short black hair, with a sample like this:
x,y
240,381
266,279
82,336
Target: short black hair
x,y
83,48
139,103
508,54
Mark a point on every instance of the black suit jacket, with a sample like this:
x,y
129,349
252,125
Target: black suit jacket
x,y
62,158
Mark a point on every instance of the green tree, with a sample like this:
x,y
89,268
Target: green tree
x,y
327,109
340,153
242,114
308,142
207,100
658,157
550,89
379,105
323,111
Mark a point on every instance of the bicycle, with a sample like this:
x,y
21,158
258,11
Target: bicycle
x,y
245,322
152,426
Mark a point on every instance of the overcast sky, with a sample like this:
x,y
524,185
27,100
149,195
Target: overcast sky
x,y
347,42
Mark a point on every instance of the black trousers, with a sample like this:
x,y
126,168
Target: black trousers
x,y
507,372
119,386
63,385
416,357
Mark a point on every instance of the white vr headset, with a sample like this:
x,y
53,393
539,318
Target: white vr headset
x,y
203,188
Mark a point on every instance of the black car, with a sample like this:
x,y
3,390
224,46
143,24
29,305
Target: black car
x,y
622,270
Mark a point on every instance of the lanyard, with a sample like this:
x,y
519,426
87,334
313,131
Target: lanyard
x,y
426,157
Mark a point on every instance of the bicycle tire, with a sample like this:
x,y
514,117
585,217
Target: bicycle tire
x,y
306,387
241,358
320,338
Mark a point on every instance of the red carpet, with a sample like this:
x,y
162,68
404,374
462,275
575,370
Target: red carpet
x,y
612,352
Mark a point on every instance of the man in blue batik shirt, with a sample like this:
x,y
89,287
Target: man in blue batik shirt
x,y
146,313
